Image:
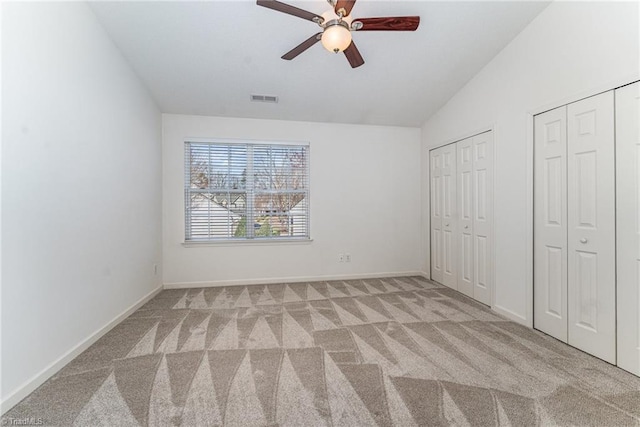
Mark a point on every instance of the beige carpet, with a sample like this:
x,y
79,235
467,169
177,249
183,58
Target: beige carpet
x,y
382,352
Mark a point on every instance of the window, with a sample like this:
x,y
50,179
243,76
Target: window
x,y
246,191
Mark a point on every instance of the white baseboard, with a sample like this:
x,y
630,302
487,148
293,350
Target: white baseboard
x,y
28,387
518,318
266,281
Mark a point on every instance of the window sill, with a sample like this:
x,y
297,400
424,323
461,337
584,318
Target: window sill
x,y
254,242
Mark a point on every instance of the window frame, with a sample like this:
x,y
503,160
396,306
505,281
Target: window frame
x,y
249,190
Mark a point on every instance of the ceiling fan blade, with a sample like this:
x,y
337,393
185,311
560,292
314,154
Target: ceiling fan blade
x,y
302,47
389,23
353,55
291,10
347,5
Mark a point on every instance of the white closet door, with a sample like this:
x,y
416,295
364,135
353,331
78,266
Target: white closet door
x,y
591,226
444,228
482,216
550,223
449,217
436,215
628,225
464,180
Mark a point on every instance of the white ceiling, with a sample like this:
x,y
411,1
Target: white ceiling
x,y
206,58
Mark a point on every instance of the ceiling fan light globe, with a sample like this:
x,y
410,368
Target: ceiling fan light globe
x,y
336,38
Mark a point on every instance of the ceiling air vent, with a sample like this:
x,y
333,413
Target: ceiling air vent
x,y
264,98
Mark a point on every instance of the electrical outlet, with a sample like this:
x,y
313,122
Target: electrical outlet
x,y
347,257
155,269
340,257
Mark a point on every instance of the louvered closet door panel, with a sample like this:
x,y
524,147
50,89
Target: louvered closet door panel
x,y
464,156
436,159
550,223
449,217
628,225
482,156
591,221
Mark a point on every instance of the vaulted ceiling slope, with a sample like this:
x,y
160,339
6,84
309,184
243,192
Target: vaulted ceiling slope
x,y
206,58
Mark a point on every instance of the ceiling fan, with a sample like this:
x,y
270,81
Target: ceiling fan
x,y
337,26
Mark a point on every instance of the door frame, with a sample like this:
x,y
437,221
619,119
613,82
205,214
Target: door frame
x,y
529,169
427,200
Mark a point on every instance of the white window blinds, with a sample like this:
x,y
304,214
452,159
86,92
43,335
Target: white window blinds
x,y
246,191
